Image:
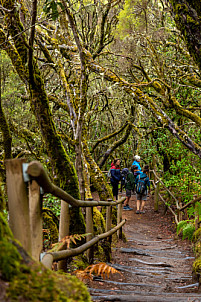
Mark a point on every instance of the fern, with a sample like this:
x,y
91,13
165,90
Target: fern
x,y
67,240
101,269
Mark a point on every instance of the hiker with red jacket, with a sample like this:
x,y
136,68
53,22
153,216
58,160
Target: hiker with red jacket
x,y
115,176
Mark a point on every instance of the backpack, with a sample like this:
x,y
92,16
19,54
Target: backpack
x,y
109,173
126,179
124,174
141,186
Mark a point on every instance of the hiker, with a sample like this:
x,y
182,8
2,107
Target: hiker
x,y
124,173
115,177
136,172
142,184
137,162
129,184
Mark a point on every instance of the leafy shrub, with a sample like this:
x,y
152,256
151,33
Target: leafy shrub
x,y
187,227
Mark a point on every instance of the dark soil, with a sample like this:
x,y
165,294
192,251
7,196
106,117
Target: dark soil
x,y
155,264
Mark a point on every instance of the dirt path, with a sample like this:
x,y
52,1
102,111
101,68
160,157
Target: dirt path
x,y
154,265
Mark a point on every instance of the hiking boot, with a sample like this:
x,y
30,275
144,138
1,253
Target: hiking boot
x,y
137,212
129,208
126,208
142,212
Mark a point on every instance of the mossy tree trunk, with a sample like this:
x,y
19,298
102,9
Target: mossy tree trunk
x,y
96,176
187,16
4,127
64,171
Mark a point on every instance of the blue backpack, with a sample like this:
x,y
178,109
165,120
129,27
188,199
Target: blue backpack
x,y
141,186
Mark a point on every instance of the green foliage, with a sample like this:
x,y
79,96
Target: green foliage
x,y
51,8
188,231
187,227
191,210
53,203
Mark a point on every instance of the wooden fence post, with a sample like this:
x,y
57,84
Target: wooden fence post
x,y
156,196
64,224
108,228
180,213
18,203
36,223
89,229
108,217
119,219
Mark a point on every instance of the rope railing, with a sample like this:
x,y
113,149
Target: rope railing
x,y
25,210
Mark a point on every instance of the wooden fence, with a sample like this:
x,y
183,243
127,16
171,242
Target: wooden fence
x,y
25,211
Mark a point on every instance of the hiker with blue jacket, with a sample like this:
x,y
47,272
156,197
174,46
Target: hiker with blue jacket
x,y
137,162
115,177
142,186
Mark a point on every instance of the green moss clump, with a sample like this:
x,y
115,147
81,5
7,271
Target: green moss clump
x,y
79,262
50,222
29,281
9,260
197,266
196,235
44,285
9,256
98,221
77,222
197,249
5,231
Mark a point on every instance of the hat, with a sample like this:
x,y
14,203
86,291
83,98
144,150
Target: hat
x,y
137,157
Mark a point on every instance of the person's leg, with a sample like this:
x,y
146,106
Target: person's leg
x,y
121,188
127,199
129,208
138,203
144,198
115,192
142,205
138,206
128,196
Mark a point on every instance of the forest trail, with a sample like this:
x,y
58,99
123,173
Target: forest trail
x,y
154,264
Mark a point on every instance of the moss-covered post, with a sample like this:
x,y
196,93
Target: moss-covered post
x,y
156,196
109,226
64,229
90,230
36,224
18,203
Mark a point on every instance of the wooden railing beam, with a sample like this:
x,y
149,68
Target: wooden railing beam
x,y
56,256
